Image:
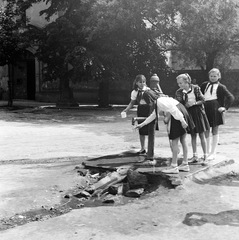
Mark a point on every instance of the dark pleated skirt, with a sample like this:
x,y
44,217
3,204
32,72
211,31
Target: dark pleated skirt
x,y
176,129
143,111
199,118
215,118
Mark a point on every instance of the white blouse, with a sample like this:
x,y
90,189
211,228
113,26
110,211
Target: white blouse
x,y
134,93
191,96
167,104
208,96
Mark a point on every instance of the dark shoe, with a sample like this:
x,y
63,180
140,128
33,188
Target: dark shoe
x,y
142,152
194,160
149,162
205,163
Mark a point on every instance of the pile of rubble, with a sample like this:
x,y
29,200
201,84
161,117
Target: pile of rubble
x,y
108,185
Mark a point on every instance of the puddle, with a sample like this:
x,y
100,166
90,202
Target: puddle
x,y
230,218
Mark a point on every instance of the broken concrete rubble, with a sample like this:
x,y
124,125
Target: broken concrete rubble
x,y
124,181
108,179
83,172
109,199
116,189
102,185
135,193
83,194
136,179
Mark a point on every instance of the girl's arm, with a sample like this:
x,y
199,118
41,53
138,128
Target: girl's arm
x,y
229,98
173,111
179,96
148,120
167,117
200,99
130,105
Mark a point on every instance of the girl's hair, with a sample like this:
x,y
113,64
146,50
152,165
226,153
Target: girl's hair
x,y
185,77
217,71
138,78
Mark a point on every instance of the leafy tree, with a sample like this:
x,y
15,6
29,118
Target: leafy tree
x,y
13,36
122,43
208,32
54,43
204,33
61,46
108,40
101,40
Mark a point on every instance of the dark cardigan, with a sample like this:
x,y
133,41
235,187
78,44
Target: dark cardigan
x,y
224,97
183,98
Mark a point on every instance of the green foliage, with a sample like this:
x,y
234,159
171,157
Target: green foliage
x,y
99,38
120,39
208,32
54,43
13,35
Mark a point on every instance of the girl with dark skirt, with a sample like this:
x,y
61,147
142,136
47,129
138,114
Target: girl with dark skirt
x,y
218,99
143,109
192,98
177,117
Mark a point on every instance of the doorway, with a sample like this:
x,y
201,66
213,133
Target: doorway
x,y
23,77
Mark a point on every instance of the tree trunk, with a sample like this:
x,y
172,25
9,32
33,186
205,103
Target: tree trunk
x,y
210,61
66,99
103,97
10,87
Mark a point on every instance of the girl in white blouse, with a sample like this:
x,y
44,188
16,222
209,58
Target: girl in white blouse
x,y
143,109
218,99
180,124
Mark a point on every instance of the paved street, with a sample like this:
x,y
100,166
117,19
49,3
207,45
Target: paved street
x,y
55,133
41,147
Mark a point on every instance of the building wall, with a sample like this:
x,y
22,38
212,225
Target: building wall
x,y
33,14
176,62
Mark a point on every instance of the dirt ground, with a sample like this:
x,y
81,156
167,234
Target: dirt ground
x,y
40,149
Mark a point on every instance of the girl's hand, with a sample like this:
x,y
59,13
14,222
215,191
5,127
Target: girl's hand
x,y
161,113
221,109
139,126
184,125
189,104
166,119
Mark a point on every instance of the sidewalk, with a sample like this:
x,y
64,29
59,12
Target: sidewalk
x,y
26,103
32,104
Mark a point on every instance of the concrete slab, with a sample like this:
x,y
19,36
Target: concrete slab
x,y
112,162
